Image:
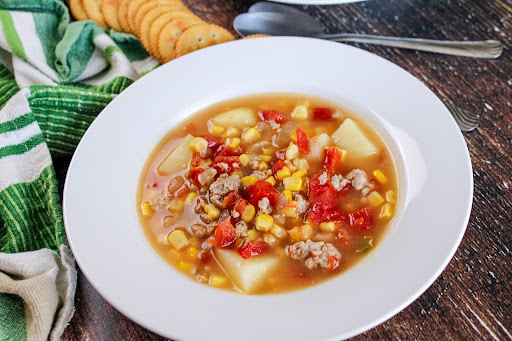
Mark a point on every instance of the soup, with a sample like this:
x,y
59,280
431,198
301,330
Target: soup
x,y
268,193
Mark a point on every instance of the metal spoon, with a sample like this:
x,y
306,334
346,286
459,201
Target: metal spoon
x,y
288,21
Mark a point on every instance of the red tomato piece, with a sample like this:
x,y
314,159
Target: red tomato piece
x,y
271,115
252,249
262,189
362,218
231,199
240,206
193,174
280,164
225,234
196,159
224,150
332,159
323,198
322,114
281,154
302,142
213,143
229,160
344,240
322,213
333,262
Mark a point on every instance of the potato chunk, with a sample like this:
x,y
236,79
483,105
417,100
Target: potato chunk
x,y
178,159
248,274
319,144
350,137
237,118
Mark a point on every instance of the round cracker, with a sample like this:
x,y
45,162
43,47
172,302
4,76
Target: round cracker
x,y
109,9
78,10
122,15
170,35
256,36
200,36
151,16
157,26
144,9
133,8
93,10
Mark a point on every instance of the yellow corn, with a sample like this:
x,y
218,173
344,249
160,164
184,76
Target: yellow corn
x,y
288,194
300,173
293,137
328,227
271,180
300,112
218,281
232,132
302,232
185,266
251,135
278,231
249,180
264,222
292,151
249,213
176,205
235,142
269,151
293,183
198,144
147,211
262,166
290,210
290,165
266,158
245,159
270,239
391,197
253,234
212,211
305,102
238,172
380,176
177,239
386,212
375,199
190,198
192,252
205,162
283,173
216,130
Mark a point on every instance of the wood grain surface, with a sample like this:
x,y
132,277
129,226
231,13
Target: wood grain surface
x,y
471,300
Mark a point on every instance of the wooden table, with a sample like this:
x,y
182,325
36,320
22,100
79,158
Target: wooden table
x,y
472,297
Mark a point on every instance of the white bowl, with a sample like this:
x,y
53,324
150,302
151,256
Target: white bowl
x,y
436,181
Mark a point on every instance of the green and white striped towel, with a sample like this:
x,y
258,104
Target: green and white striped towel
x,y
55,78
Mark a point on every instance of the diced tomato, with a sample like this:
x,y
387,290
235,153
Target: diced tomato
x,y
196,159
213,143
155,185
333,262
231,199
302,142
362,218
342,192
193,174
262,189
322,114
323,198
280,164
229,160
322,213
252,249
271,115
281,154
225,150
332,159
344,239
240,206
225,234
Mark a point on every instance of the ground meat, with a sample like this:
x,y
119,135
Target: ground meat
x,y
199,230
206,218
201,202
339,182
261,175
223,166
319,253
171,219
158,204
324,237
208,176
175,184
222,186
359,181
264,206
253,164
241,229
302,203
323,178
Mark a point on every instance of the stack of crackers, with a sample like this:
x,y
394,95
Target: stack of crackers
x,y
166,28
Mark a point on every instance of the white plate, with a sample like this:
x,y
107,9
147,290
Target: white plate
x,y
109,245
316,2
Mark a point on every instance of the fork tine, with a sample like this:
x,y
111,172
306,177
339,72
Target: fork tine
x,y
465,119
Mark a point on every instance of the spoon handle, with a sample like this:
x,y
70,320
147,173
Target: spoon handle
x,y
477,49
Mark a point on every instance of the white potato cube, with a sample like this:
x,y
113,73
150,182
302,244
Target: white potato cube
x,y
248,274
350,138
237,118
319,144
179,158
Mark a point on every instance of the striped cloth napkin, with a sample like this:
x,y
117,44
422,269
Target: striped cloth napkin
x,y
55,78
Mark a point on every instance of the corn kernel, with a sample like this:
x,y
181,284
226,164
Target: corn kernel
x,y
271,180
293,137
262,166
251,135
192,252
293,183
278,231
176,206
264,222
212,211
305,102
232,132
147,211
300,173
269,151
270,239
245,159
177,239
290,165
266,158
238,172
253,235
300,112
292,151
198,144
375,199
283,173
288,194
205,162
235,142
391,197
249,180
216,130
301,163
290,210
380,176
328,227
386,212
185,266
248,214
218,281
190,198
302,232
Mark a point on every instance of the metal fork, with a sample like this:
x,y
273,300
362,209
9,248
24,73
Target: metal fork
x,y
466,120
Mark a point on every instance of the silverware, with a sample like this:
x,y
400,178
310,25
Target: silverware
x,y
280,20
465,119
